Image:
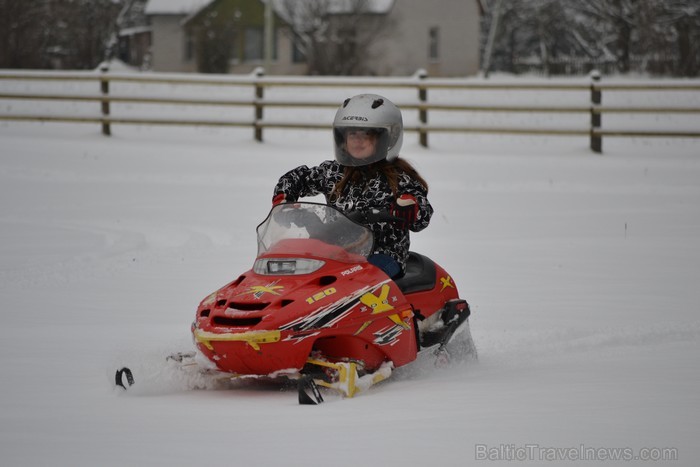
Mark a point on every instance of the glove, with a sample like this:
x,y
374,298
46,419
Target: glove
x,y
286,214
279,198
405,210
357,216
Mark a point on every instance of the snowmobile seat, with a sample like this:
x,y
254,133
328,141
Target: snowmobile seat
x,y
419,275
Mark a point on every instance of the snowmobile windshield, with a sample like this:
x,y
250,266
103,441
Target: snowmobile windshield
x,y
311,229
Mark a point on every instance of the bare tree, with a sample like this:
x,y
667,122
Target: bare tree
x,y
334,36
55,33
680,19
23,34
112,45
90,25
613,23
656,36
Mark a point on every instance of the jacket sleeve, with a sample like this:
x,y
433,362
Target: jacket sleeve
x,y
304,181
412,187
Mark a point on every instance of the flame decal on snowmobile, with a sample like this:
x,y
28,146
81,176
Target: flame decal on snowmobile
x,y
390,335
296,338
328,315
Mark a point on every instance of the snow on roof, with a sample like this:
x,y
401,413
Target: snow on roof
x,y
372,6
123,32
192,7
345,6
174,7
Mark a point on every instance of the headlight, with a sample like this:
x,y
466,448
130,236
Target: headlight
x,y
286,266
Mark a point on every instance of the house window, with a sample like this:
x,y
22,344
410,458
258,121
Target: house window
x,y
189,46
254,45
235,57
298,55
434,43
254,42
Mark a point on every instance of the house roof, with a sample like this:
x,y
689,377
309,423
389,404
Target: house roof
x,y
346,6
372,6
193,7
187,7
339,7
174,7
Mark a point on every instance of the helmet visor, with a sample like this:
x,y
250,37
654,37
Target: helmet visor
x,y
356,146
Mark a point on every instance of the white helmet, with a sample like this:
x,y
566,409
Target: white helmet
x,y
374,115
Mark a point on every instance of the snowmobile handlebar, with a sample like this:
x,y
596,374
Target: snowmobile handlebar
x,y
372,216
359,216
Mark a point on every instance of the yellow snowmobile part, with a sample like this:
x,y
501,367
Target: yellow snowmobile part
x,y
252,338
349,382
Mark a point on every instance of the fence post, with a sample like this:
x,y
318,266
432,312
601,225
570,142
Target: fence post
x,y
596,99
423,112
104,89
259,94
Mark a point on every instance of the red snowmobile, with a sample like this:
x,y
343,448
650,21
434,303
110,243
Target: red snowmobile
x,y
313,309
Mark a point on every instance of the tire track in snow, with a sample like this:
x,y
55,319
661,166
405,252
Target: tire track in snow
x,y
518,348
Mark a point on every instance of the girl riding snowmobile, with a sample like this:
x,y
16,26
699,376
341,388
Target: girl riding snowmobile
x,y
317,306
367,180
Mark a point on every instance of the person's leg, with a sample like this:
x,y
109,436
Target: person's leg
x,y
386,263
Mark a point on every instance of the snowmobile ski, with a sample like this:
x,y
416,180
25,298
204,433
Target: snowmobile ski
x,y
309,393
121,375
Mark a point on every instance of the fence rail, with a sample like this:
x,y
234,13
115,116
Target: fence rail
x,y
420,82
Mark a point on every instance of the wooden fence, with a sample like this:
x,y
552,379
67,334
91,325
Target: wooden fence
x,y
420,82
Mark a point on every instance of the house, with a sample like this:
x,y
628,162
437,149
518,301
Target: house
x,y
440,36
216,36
170,45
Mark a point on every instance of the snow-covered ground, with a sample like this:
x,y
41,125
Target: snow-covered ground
x,y
583,272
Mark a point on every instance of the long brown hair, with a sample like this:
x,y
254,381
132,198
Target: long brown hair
x,y
390,171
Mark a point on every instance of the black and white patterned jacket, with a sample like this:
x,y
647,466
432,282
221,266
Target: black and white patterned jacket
x,y
373,192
